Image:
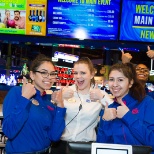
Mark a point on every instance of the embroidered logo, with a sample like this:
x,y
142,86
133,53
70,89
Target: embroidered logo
x,y
135,111
50,108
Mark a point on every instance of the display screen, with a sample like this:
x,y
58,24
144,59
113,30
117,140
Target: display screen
x,y
111,151
83,19
137,20
26,17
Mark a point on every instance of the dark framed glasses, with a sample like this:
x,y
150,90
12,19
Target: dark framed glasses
x,y
45,74
138,69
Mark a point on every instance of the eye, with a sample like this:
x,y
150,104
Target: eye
x,y
83,73
110,79
53,73
75,73
44,73
120,80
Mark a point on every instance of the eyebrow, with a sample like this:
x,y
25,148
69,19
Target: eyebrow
x,y
46,70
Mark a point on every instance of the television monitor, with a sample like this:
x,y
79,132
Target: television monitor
x,y
99,148
84,19
137,21
24,17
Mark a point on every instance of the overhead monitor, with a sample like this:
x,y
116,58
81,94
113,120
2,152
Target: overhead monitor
x,y
137,20
24,17
83,19
100,148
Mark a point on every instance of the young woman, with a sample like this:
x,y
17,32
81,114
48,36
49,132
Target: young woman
x,y
129,120
83,102
31,122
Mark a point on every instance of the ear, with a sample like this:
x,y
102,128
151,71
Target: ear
x,y
31,74
92,75
131,83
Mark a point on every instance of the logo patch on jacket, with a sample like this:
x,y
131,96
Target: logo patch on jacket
x,y
50,108
135,111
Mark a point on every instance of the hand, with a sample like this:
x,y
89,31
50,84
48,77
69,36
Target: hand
x,y
122,110
57,98
125,57
109,113
67,92
150,53
96,94
28,90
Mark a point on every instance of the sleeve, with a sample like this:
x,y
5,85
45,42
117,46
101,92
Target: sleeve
x,y
104,134
142,130
58,124
15,112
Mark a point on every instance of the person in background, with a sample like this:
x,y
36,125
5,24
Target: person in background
x,y
19,20
129,120
142,71
31,122
7,17
83,101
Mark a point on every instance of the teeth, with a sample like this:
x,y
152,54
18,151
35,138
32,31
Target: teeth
x,y
47,82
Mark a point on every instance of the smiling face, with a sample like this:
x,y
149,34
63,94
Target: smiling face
x,y
142,73
43,83
82,77
16,15
119,85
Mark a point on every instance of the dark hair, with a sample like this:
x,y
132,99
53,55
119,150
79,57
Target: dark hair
x,y
17,11
142,64
86,60
137,91
40,59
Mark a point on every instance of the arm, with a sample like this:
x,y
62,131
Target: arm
x,y
142,130
58,124
15,112
125,57
104,134
150,53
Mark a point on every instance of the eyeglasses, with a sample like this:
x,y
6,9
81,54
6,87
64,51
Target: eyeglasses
x,y
142,69
45,74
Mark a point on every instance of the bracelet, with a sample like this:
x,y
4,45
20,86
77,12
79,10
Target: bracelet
x,y
103,119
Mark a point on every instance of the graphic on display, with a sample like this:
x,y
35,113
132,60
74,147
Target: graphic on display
x,y
25,17
137,23
36,17
83,19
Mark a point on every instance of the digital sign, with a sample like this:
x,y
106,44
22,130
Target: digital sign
x,y
137,21
83,19
25,17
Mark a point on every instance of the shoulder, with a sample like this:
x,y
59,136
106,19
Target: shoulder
x,y
16,89
148,101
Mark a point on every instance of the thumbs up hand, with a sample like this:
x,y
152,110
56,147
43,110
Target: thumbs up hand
x,y
150,53
28,90
109,113
57,97
67,92
96,94
122,110
125,57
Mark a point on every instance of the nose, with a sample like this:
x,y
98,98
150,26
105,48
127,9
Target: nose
x,y
115,83
78,75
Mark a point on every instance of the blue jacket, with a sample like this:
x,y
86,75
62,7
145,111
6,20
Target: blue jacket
x,y
150,93
30,127
135,128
